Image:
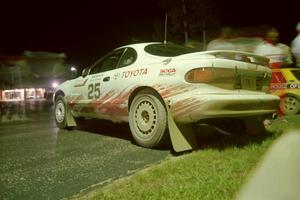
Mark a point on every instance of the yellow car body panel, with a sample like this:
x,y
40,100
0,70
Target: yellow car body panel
x,y
286,84
292,85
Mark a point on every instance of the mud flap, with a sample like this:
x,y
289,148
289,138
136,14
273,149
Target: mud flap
x,y
69,118
182,138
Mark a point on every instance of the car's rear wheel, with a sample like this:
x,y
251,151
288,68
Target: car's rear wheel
x,y
60,112
289,105
148,120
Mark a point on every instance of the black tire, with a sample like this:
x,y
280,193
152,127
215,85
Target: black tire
x,y
148,120
60,112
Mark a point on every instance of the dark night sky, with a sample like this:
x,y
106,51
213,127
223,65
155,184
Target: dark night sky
x,y
86,29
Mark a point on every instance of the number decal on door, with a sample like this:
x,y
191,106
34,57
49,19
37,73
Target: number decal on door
x,y
90,89
94,91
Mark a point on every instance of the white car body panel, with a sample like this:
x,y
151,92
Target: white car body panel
x,y
190,102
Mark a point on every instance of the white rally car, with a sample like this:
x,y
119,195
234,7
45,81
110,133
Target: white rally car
x,y
159,88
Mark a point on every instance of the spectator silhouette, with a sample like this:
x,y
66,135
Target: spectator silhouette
x,y
295,46
222,43
278,53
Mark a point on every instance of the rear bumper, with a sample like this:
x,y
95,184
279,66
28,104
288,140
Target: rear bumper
x,y
200,107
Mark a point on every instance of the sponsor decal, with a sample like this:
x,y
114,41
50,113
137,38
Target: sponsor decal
x,y
282,86
96,76
185,106
294,86
116,76
111,103
172,90
80,83
135,72
72,100
167,72
167,61
278,86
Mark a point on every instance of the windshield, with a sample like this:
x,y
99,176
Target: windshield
x,y
168,50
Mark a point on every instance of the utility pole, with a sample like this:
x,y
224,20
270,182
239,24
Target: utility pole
x,y
185,23
166,28
203,34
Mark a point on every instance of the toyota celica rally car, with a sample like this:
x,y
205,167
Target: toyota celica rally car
x,y
163,89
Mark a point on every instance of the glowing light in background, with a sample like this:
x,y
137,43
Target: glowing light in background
x,y
54,84
73,70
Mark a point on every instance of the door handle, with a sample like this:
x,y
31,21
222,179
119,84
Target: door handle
x,y
106,78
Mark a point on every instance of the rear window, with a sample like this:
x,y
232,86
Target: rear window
x,y
296,73
168,50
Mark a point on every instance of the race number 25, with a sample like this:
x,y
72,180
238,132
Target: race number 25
x,y
94,91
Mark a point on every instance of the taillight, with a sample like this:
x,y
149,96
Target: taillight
x,y
199,75
277,77
210,74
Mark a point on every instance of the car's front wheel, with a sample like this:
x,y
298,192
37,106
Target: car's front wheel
x,y
60,112
289,105
148,120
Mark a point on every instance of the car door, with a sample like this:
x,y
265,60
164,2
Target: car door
x,y
97,87
78,91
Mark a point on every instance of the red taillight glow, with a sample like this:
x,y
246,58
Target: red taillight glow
x,y
209,74
202,75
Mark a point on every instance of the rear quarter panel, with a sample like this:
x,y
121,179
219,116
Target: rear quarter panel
x,y
290,87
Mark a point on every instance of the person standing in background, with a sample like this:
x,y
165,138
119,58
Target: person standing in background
x,y
278,53
295,46
221,43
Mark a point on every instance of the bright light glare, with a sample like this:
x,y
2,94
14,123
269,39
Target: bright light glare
x,y
54,84
73,69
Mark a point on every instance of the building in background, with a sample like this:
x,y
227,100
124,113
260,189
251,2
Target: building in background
x,y
48,70
31,76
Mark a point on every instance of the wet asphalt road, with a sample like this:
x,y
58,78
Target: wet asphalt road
x,y
39,161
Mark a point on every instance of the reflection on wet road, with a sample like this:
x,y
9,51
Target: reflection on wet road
x,y
39,161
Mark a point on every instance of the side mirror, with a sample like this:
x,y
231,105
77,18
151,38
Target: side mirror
x,y
85,72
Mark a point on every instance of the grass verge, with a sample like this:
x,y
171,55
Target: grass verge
x,y
216,171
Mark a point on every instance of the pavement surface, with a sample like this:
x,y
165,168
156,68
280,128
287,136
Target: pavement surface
x,y
39,161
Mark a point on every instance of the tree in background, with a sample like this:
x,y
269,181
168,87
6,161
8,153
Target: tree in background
x,y
187,20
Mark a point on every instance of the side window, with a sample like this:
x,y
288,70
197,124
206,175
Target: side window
x,y
108,62
129,57
296,73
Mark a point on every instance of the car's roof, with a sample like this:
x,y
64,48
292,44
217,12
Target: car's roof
x,y
139,45
158,49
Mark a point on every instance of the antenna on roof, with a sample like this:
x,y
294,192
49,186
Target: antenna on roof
x,y
166,27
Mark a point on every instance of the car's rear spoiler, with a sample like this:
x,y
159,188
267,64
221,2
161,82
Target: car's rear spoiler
x,y
239,56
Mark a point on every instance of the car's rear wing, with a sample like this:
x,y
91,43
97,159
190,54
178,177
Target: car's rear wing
x,y
239,56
